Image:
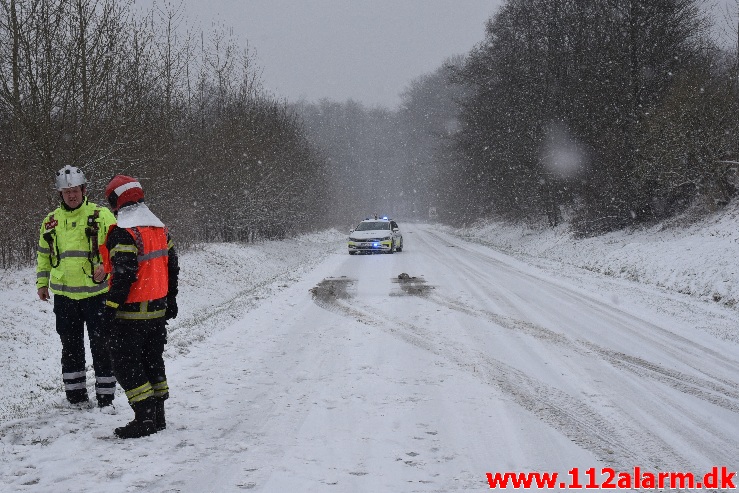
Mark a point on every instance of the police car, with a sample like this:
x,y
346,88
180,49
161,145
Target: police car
x,y
378,234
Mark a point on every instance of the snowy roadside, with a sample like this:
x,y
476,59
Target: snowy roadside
x,y
219,283
279,390
699,259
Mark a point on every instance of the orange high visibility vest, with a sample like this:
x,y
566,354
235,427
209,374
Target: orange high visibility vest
x,y
152,278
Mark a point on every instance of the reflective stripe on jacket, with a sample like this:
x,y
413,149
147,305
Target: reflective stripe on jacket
x,y
64,262
152,280
139,258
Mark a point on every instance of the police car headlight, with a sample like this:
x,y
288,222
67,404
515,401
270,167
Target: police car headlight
x,y
387,238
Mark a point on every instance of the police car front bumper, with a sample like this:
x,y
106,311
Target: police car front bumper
x,y
370,246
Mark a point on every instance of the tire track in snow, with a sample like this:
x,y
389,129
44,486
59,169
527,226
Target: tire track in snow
x,y
609,430
668,341
574,418
713,389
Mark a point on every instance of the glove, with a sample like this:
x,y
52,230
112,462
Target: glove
x,y
171,308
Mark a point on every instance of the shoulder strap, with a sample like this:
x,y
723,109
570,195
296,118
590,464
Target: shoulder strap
x,y
48,235
92,230
138,239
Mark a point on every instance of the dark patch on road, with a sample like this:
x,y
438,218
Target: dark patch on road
x,y
331,289
412,286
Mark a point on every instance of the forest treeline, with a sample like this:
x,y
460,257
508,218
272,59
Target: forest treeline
x,y
98,85
606,114
601,114
620,111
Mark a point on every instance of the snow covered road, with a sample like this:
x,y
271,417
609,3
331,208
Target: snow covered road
x,y
352,377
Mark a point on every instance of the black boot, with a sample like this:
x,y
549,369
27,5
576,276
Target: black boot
x,y
160,421
105,400
77,396
143,423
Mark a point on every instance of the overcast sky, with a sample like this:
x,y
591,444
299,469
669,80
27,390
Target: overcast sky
x,y
366,50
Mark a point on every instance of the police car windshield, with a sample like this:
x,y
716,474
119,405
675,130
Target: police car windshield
x,y
373,225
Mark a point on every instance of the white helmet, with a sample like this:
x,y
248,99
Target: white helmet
x,y
68,177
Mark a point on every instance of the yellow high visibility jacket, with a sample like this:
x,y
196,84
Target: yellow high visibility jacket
x,y
65,259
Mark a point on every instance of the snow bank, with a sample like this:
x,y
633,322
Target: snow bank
x,y
218,283
698,258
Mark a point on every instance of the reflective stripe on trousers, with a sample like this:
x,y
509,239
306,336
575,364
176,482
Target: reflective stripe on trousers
x,y
139,393
74,380
105,385
161,389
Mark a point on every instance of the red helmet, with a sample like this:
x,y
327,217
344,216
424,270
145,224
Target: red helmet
x,y
123,190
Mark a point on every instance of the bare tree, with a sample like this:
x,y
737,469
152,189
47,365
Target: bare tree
x,y
86,82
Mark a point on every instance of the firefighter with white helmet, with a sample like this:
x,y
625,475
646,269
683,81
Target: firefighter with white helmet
x,y
68,264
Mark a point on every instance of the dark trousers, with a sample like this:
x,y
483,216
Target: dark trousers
x,y
71,318
137,350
